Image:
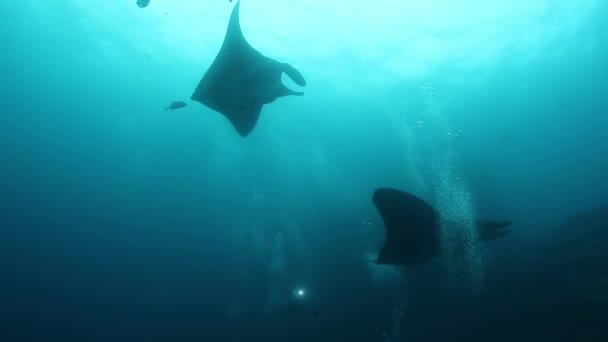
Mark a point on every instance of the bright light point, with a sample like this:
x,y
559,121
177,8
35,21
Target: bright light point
x,y
299,293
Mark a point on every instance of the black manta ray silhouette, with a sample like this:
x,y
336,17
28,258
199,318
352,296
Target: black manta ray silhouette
x,y
413,228
241,80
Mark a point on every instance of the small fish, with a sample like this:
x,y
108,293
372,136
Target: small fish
x,y
143,3
176,105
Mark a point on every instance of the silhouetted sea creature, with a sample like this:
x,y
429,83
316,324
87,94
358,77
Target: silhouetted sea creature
x,y
143,3
413,228
241,80
176,105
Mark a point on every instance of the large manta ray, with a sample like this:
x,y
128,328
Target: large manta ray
x,y
241,80
413,228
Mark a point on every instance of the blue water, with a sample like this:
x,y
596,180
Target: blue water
x,y
120,221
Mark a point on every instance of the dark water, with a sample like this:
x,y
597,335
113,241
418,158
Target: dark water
x,y
122,222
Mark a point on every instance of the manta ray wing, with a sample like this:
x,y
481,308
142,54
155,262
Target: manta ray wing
x,y
411,227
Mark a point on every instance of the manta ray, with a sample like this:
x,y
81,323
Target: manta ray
x,y
413,228
241,80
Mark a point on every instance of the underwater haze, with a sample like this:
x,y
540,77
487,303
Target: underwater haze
x,y
121,221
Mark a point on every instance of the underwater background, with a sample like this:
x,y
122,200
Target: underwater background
x,y
120,221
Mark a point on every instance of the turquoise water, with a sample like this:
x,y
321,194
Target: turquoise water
x,y
122,221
